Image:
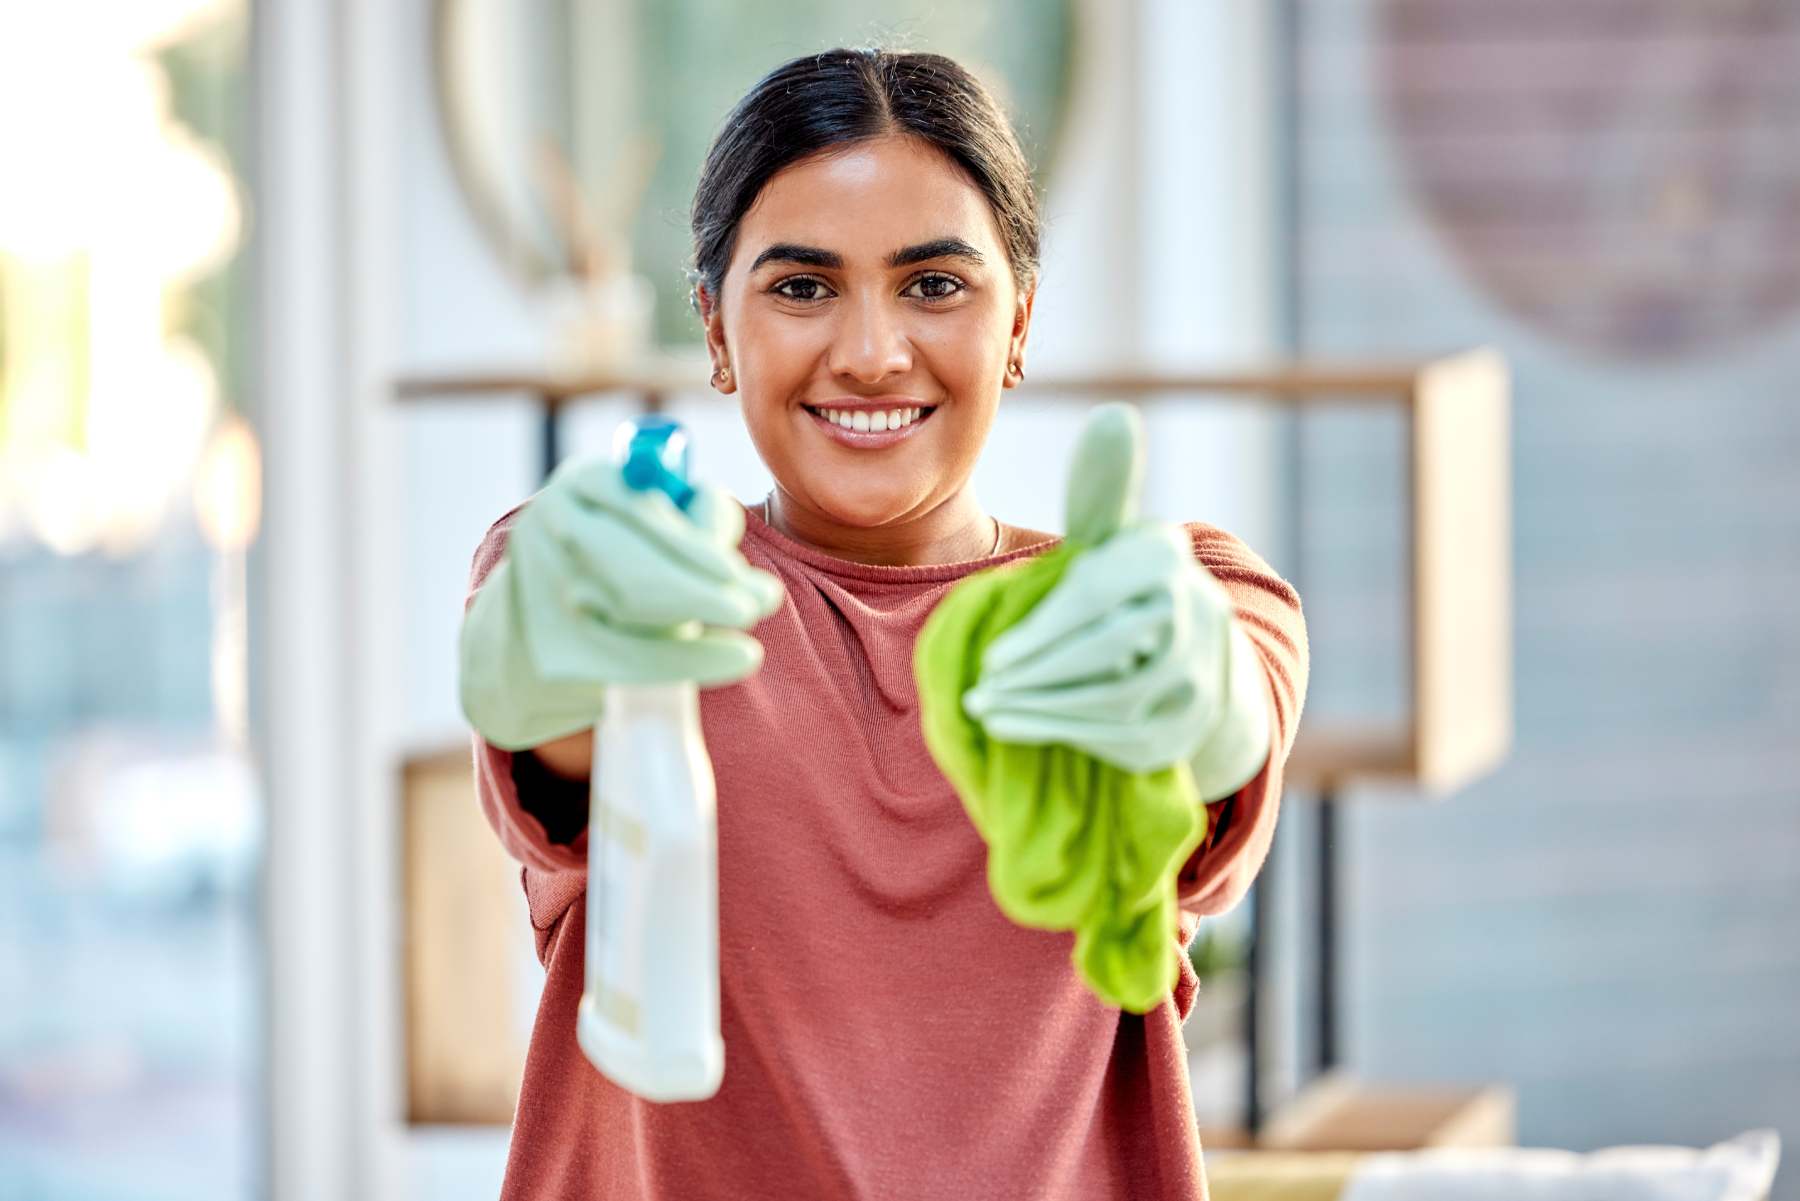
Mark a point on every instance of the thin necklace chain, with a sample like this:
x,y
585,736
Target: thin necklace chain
x,y
764,505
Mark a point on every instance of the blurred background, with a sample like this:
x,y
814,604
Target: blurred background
x,y
281,286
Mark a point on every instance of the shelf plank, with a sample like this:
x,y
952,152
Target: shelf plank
x,y
1314,383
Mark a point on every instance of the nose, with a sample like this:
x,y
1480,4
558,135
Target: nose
x,y
871,342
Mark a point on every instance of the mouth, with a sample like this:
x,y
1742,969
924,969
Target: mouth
x,y
867,429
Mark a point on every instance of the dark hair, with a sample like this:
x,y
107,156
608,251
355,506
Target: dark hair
x,y
840,97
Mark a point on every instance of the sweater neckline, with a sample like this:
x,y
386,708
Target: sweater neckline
x,y
889,573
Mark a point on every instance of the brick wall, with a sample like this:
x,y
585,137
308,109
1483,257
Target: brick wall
x,y
1612,921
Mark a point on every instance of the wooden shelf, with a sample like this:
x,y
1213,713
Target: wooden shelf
x,y
672,374
1336,1113
464,931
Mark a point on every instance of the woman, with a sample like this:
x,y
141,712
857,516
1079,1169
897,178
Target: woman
x,y
866,252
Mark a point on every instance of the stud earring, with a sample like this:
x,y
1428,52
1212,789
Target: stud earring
x,y
722,375
1014,369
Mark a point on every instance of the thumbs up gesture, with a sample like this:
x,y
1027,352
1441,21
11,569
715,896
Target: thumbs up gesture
x,y
1135,655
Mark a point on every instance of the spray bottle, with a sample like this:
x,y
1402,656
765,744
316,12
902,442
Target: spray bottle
x,y
649,1014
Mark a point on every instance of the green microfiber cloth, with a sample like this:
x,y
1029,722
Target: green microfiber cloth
x,y
1074,843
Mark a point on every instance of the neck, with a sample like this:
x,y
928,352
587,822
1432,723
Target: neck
x,y
954,532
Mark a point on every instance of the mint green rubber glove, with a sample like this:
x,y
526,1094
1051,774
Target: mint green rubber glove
x,y
1075,842
1135,656
602,584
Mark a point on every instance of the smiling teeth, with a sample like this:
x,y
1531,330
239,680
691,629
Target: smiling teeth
x,y
865,421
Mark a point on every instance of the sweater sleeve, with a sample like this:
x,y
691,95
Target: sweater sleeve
x,y
1241,827
555,873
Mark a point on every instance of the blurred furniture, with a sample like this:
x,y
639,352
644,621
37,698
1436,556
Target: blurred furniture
x,y
465,932
1337,1113
1458,615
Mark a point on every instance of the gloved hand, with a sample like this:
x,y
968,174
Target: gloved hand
x,y
602,584
1076,842
1135,655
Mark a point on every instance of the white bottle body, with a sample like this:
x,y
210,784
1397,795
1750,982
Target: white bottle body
x,y
649,1015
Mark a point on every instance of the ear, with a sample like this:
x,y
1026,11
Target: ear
x,y
714,322
1015,346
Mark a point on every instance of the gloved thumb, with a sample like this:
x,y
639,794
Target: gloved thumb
x,y
1106,474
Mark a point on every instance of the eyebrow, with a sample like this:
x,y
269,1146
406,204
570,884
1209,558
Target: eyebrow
x,y
813,256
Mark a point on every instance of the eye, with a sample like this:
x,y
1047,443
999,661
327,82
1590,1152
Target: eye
x,y
938,278
806,289
798,281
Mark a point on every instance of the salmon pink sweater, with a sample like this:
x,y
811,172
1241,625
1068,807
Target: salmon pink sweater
x,y
889,1034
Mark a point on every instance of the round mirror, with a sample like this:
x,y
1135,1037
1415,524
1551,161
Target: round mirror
x,y
577,127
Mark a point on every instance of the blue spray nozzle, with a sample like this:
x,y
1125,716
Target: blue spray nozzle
x,y
652,452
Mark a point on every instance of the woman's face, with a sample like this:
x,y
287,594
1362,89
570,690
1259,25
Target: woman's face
x,y
871,278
